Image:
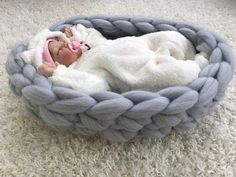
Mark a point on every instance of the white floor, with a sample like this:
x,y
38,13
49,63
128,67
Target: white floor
x,y
29,148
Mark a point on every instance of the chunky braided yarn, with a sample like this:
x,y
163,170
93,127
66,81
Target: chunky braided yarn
x,y
121,117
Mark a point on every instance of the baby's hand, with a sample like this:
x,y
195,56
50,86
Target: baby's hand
x,y
68,32
46,69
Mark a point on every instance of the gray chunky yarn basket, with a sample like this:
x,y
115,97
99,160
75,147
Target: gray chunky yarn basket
x,y
122,116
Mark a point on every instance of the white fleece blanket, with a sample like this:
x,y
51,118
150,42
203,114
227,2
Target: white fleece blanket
x,y
149,62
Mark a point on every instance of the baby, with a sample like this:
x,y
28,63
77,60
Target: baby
x,y
60,52
81,58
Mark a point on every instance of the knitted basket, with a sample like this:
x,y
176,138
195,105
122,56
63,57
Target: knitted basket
x,y
122,116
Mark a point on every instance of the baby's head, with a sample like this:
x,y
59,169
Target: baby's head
x,y
60,52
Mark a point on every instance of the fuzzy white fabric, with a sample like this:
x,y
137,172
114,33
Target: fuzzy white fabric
x,y
149,62
29,148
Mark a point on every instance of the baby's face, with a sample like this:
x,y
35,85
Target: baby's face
x,y
61,53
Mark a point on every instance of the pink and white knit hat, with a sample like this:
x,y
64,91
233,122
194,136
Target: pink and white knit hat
x,y
46,54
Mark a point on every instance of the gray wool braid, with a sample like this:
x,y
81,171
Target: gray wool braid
x,y
121,117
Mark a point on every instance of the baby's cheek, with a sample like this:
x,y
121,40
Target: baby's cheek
x,y
69,58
